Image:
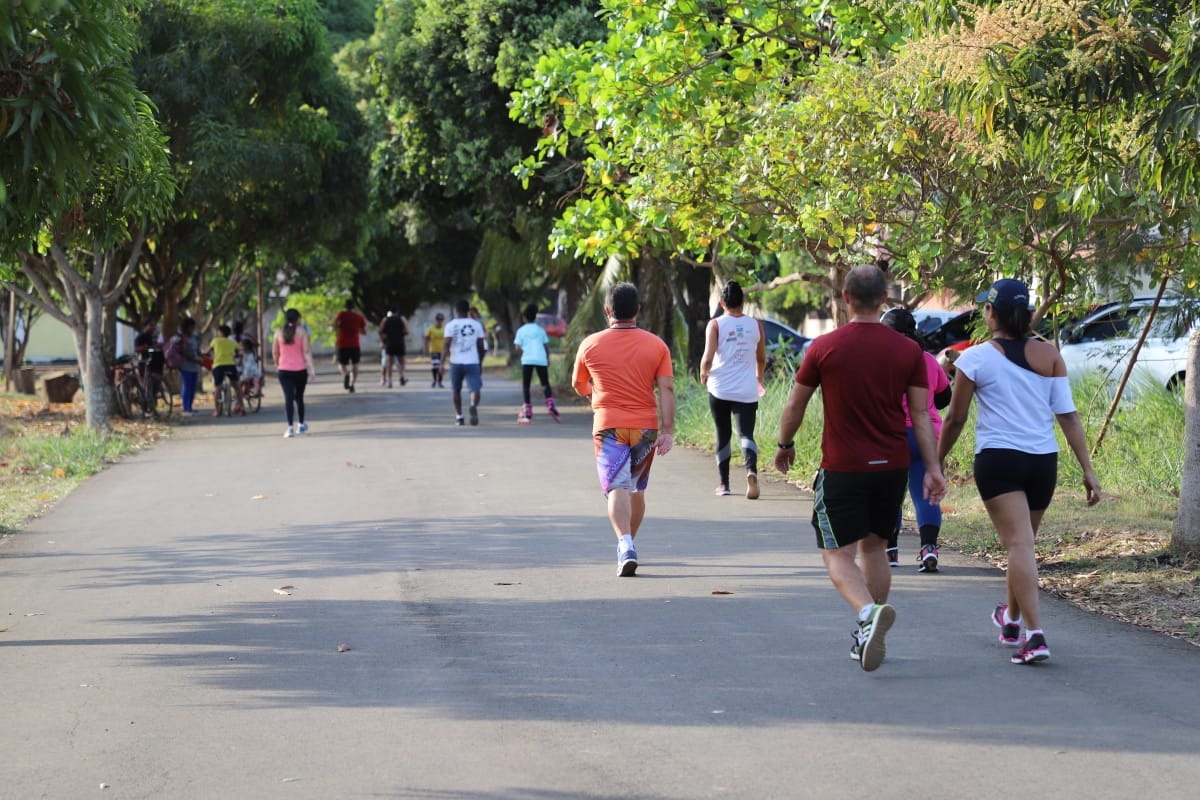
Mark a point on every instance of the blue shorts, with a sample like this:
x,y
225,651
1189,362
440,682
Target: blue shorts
x,y
623,458
472,373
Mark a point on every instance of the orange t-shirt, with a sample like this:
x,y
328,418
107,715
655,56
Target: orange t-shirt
x,y
622,366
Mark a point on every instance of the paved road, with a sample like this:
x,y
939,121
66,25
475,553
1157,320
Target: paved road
x,y
493,652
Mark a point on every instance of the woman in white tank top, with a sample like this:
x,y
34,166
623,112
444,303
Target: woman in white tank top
x,y
732,369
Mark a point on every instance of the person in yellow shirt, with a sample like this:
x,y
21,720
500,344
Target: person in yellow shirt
x,y
435,337
224,366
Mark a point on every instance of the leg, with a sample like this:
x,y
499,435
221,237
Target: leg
x,y
526,380
872,559
620,512
288,388
846,576
720,410
637,512
746,416
301,383
1014,526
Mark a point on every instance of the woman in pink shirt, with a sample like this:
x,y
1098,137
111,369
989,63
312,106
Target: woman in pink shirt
x,y
293,358
929,516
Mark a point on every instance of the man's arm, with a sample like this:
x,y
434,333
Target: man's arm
x,y
666,414
789,424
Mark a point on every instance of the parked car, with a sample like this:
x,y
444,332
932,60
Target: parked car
x,y
955,331
1102,343
930,319
554,325
783,343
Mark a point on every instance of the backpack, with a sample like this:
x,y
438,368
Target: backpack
x,y
173,352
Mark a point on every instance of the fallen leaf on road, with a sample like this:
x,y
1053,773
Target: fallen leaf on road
x,y
259,497
506,583
343,648
721,591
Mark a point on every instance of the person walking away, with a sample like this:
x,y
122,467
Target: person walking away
x,y
224,367
189,370
862,369
463,348
619,370
250,371
392,332
735,356
435,337
1022,388
929,515
349,326
292,354
532,343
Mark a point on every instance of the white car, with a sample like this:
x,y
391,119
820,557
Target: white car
x,y
1103,341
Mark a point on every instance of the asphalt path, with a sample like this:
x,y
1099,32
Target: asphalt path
x,y
149,649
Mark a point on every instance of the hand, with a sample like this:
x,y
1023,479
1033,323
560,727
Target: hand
x,y
784,458
664,443
1092,485
934,486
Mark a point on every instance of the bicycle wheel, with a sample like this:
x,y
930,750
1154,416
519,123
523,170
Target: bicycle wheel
x,y
225,399
125,390
164,400
254,401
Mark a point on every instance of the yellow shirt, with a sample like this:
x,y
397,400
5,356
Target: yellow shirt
x,y
224,351
437,337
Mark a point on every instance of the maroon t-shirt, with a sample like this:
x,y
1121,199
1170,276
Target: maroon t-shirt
x,y
863,369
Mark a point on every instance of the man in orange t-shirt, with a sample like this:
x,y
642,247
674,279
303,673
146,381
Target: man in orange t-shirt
x,y
349,325
618,370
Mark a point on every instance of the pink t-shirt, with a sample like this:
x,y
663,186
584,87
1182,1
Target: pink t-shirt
x,y
938,382
291,356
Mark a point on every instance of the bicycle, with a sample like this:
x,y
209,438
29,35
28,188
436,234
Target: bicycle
x,y
224,398
251,397
140,390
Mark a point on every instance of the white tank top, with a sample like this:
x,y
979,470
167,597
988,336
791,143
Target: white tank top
x,y
734,373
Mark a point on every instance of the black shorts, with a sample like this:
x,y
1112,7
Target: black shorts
x,y
1000,471
348,355
849,506
395,350
222,372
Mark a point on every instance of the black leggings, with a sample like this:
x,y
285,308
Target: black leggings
x,y
293,382
527,379
744,414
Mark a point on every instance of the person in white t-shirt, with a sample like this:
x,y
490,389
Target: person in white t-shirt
x,y
532,342
732,367
462,350
1022,387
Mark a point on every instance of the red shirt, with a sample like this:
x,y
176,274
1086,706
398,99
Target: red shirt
x,y
349,325
863,369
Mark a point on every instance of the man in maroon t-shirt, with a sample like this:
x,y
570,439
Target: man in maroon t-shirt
x,y
349,325
862,369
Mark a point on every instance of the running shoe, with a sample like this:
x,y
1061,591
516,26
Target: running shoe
x,y
525,415
351,388
553,409
1031,650
303,428
751,486
433,385
722,491
928,559
289,433
474,412
403,381
893,554
1010,632
346,382
871,633
459,421
627,563
856,648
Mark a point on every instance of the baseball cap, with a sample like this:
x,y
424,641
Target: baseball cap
x,y
1005,294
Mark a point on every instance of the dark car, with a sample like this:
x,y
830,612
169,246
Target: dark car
x,y
783,343
554,325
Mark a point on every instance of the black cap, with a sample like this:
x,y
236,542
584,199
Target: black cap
x,y
1005,294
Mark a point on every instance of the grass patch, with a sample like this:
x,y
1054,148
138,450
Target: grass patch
x,y
46,450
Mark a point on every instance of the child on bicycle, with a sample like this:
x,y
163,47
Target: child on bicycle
x,y
251,383
224,367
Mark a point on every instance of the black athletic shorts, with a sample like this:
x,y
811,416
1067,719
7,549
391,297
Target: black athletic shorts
x,y
849,506
349,355
1000,471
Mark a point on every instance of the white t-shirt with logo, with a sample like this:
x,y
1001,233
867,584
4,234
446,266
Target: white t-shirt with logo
x,y
462,333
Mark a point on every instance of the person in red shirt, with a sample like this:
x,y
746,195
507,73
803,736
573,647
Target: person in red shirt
x,y
618,370
863,370
349,326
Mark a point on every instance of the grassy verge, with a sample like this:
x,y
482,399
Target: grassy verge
x,y
1111,558
46,451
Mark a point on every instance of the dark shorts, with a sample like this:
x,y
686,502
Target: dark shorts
x,y
395,350
999,472
349,355
623,458
471,373
222,372
849,506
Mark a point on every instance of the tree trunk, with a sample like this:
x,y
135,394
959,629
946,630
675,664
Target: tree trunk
x,y
98,396
1186,536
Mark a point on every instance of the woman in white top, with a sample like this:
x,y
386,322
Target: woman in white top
x,y
732,368
1022,387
